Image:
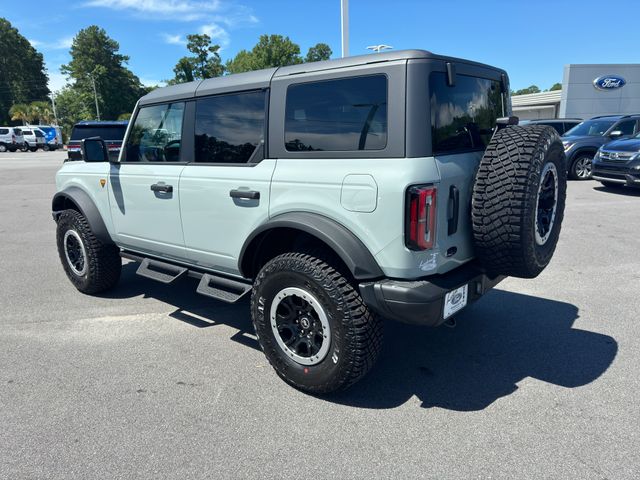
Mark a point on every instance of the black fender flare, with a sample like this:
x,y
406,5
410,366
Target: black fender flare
x,y
355,255
578,151
85,205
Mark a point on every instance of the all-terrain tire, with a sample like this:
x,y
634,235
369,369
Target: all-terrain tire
x,y
355,333
508,201
103,262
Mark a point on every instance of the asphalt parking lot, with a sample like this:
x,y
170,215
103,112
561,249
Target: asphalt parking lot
x,y
540,379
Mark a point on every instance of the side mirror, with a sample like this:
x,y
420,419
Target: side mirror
x,y
616,134
94,150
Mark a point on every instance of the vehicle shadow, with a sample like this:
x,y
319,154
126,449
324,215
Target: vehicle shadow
x,y
499,341
191,308
626,191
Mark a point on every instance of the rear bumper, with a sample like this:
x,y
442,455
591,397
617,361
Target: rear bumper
x,y
422,301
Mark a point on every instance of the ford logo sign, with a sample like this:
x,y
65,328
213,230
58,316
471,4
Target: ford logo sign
x,y
609,82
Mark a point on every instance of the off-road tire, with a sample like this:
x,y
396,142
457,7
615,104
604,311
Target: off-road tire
x,y
573,169
103,261
355,332
505,200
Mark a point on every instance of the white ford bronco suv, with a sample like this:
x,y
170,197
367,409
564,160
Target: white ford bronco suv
x,y
392,185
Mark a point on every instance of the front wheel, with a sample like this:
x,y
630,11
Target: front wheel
x,y
91,265
312,324
3,147
581,167
24,147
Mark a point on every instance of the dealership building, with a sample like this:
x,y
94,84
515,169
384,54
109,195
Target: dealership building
x,y
587,91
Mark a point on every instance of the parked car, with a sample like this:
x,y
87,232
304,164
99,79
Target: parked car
x,y
111,132
583,141
617,164
52,136
561,125
334,193
33,138
11,139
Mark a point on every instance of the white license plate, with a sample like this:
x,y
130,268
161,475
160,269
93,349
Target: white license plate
x,y
455,300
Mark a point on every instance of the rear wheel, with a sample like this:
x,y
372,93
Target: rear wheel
x,y
581,167
91,266
312,324
3,147
24,147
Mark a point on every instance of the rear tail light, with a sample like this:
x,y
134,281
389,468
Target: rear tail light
x,y
420,223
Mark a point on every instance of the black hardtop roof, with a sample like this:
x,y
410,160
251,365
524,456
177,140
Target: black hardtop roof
x,y
261,78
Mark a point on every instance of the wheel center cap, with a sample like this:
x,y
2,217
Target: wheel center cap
x,y
305,323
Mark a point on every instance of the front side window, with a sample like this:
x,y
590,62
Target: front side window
x,y
27,132
229,128
463,116
156,134
347,114
626,127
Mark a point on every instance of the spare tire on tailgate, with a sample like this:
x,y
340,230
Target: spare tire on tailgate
x,y
518,200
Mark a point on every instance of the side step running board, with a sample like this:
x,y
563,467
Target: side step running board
x,y
223,289
160,271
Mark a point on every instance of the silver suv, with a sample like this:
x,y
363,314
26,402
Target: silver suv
x,y
334,193
11,139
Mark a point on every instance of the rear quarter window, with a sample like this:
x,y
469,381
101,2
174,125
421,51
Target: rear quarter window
x,y
347,114
4,131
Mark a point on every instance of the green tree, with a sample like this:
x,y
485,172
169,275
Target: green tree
x,y
555,86
270,51
42,111
72,106
21,112
320,51
528,90
95,57
205,62
23,77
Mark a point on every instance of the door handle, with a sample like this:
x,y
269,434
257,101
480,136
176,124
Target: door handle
x,y
161,187
249,194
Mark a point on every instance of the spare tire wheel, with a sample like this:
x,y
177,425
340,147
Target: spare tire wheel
x,y
518,200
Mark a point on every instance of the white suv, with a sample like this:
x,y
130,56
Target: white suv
x,y
11,139
34,138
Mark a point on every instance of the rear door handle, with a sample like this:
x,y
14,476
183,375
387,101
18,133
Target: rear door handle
x,y
249,194
161,187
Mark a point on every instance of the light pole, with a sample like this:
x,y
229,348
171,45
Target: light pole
x,y
344,24
379,48
53,104
95,95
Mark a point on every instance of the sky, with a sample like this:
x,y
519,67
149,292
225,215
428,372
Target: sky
x,y
531,39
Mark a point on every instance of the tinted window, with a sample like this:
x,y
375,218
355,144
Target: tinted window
x,y
463,116
337,115
111,132
592,128
626,127
156,134
229,128
4,131
556,125
38,133
17,131
27,132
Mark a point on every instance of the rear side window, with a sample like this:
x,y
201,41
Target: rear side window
x,y
230,128
4,131
38,133
557,126
626,127
347,114
107,132
27,132
463,116
156,135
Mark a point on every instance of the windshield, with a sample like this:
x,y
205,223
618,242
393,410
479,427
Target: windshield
x,y
591,128
110,132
